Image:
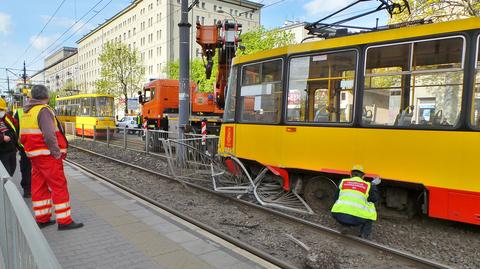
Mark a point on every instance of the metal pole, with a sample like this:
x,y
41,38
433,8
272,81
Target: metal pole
x,y
94,132
147,137
125,137
83,132
24,75
108,136
184,81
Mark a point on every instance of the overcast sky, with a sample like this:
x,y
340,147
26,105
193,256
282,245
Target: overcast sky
x,y
21,22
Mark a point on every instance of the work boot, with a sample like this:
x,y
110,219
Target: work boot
x,y
72,225
45,224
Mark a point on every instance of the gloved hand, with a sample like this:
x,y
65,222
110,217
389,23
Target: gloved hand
x,y
376,181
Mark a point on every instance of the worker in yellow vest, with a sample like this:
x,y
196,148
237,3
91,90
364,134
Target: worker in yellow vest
x,y
25,165
355,203
8,139
46,146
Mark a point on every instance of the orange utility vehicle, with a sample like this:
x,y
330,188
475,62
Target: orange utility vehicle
x,y
160,97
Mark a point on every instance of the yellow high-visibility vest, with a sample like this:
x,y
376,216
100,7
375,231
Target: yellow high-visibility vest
x,y
353,199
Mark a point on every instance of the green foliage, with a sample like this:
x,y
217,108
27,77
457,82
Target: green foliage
x,y
197,74
439,10
261,39
121,73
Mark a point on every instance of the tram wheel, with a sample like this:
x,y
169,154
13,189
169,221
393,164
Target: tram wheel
x,y
319,193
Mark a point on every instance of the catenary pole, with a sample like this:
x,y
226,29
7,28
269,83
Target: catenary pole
x,y
184,81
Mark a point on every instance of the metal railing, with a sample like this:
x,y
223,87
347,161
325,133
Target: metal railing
x,y
22,243
143,140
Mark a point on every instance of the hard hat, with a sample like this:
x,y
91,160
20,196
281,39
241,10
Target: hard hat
x,y
358,167
3,104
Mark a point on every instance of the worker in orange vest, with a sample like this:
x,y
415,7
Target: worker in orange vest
x,y
46,146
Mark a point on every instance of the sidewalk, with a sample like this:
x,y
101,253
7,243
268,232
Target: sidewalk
x,y
121,232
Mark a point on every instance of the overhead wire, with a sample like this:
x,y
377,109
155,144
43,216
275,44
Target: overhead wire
x,y
68,30
41,31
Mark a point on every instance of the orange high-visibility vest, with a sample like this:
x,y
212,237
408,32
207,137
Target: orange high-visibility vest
x,y
31,136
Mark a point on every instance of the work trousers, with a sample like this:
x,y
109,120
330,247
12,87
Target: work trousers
x,y
26,169
50,185
353,221
9,160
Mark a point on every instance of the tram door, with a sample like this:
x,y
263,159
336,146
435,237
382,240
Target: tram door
x,y
320,94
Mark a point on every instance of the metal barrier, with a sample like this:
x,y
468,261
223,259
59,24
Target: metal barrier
x,y
22,243
196,161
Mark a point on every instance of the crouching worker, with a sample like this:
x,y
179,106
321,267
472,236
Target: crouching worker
x,y
46,147
354,206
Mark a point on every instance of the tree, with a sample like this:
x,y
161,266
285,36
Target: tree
x,y
439,10
121,71
198,74
260,39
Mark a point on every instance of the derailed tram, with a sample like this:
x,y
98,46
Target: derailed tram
x,y
407,109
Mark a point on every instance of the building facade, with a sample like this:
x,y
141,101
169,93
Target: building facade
x,y
297,29
151,27
60,70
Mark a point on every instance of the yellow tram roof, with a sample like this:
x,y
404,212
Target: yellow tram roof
x,y
84,96
365,38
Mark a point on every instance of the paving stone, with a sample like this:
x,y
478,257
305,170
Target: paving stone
x,y
141,213
219,259
166,228
198,247
181,260
181,236
152,220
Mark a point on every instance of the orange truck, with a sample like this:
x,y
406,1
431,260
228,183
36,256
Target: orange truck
x,y
160,107
159,98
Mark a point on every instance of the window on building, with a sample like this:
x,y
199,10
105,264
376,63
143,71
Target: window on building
x,y
198,19
203,20
416,84
261,92
203,5
134,31
231,11
214,7
214,21
316,84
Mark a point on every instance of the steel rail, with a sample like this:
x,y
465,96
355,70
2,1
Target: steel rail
x,y
321,228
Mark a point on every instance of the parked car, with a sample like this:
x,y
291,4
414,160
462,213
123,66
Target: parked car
x,y
127,122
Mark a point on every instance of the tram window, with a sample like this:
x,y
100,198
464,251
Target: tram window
x,y
87,107
475,117
414,89
104,106
230,104
261,92
321,87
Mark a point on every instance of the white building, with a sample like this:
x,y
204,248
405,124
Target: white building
x,y
296,28
60,69
151,27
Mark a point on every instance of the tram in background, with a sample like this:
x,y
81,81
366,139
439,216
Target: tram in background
x,y
404,103
87,111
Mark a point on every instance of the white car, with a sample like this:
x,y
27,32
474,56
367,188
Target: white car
x,y
127,122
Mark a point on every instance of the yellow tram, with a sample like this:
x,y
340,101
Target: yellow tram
x,y
404,103
87,111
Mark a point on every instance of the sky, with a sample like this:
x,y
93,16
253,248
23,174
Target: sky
x,y
30,32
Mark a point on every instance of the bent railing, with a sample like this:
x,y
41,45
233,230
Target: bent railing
x,y
22,243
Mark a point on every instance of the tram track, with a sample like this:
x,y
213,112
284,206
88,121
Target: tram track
x,y
368,248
